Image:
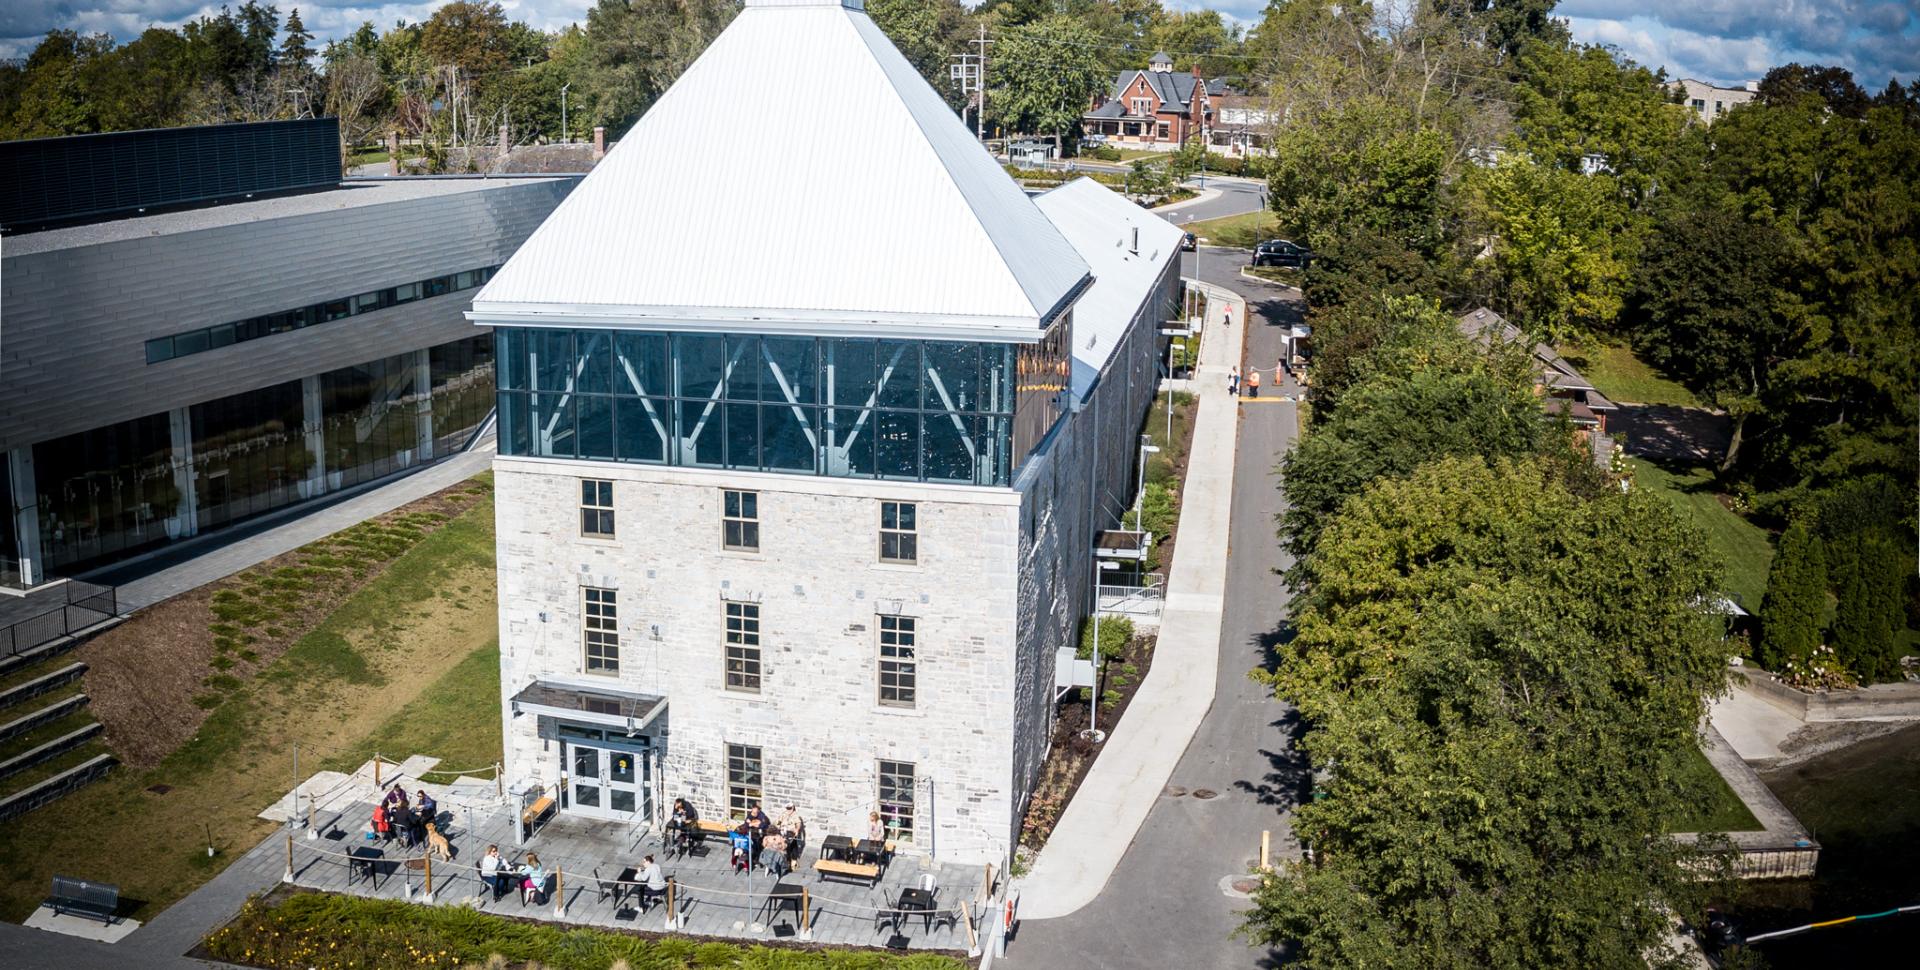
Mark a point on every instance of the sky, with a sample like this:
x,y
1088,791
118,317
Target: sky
x,y
1724,41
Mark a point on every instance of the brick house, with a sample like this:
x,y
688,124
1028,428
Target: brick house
x,y
1157,109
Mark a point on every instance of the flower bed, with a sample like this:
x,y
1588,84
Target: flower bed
x,y
322,931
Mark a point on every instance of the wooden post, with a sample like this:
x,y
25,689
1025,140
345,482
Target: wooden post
x,y
376,770
289,876
973,938
1266,842
499,785
806,919
670,919
312,833
559,894
429,875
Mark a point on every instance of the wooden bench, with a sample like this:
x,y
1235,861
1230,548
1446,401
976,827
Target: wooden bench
x,y
96,899
540,808
865,872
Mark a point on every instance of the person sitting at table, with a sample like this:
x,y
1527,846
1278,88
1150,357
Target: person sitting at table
x,y
773,854
429,810
758,824
876,829
742,845
652,882
682,819
396,796
533,880
490,871
794,828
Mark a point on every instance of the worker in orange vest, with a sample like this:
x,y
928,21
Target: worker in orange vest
x,y
1253,382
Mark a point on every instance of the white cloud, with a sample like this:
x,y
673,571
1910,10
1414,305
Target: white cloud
x,y
1734,40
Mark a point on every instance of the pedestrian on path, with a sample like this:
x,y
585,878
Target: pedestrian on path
x,y
1233,381
1226,315
1253,382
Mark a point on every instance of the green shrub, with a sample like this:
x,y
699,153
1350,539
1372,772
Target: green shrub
x,y
1114,634
1105,153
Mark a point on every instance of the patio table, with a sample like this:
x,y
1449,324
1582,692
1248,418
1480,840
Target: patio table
x,y
918,901
835,847
783,895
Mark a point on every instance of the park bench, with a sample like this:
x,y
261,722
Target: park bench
x,y
541,808
96,899
865,872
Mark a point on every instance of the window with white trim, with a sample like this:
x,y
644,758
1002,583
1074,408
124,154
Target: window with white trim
x,y
1142,106
899,532
740,521
899,668
896,799
600,627
744,778
743,647
596,508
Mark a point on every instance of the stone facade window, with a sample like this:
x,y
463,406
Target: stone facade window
x,y
744,770
596,508
743,647
896,799
740,522
899,670
899,532
600,625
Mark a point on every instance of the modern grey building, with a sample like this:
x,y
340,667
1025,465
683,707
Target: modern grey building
x,y
167,373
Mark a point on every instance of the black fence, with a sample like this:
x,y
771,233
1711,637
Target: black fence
x,y
82,606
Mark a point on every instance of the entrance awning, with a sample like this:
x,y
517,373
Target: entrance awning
x,y
591,705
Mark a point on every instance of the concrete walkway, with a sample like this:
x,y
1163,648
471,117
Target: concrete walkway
x,y
1140,754
300,527
1753,728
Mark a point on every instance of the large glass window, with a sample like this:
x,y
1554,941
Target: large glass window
x,y
854,407
899,668
596,508
600,629
899,532
896,799
743,647
740,523
744,778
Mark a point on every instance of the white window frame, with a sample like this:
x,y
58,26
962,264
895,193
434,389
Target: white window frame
x,y
734,512
897,639
597,520
600,631
742,622
906,539
1140,106
741,795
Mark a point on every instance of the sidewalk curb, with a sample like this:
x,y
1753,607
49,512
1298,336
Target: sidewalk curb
x,y
1140,755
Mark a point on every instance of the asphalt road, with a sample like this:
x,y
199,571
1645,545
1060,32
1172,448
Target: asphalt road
x,y
1166,906
1236,196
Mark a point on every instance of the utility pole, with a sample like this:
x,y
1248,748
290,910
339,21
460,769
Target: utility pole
x,y
565,134
980,113
970,72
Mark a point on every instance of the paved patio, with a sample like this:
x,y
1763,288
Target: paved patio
x,y
709,900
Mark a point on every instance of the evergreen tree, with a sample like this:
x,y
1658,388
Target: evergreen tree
x,y
296,49
1870,609
1796,598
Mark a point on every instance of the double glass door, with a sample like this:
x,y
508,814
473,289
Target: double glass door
x,y
610,781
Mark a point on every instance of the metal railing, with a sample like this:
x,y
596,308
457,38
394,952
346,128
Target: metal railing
x,y
83,605
1135,600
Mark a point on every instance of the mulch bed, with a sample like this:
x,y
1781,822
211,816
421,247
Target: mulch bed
x,y
144,675
1070,756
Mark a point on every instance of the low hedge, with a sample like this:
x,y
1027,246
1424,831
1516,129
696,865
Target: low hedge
x,y
323,931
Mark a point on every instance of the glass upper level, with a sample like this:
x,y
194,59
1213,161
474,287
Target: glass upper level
x,y
849,407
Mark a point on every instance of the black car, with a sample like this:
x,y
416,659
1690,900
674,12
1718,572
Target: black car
x,y
1282,252
1187,242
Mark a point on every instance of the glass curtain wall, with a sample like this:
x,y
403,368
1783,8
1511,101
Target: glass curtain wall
x,y
114,491
853,407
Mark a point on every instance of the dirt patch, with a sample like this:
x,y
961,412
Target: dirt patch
x,y
154,678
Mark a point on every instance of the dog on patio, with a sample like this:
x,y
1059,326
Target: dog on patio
x,y
437,843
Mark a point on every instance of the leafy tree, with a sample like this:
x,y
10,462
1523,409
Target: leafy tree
x,y
296,48
1361,168
1712,305
1581,101
1834,86
1358,267
635,50
1201,39
469,35
1500,677
1555,265
1044,74
1511,26
928,33
1795,606
1871,610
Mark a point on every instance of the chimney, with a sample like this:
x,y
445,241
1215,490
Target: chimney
x,y
1134,247
599,142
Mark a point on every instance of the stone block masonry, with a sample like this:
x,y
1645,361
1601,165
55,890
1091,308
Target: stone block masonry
x,y
821,591
55,788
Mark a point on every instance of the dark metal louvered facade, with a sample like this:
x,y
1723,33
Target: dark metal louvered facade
x,y
46,181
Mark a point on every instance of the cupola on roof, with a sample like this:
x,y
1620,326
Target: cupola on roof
x,y
800,175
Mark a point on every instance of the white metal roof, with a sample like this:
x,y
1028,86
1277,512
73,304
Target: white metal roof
x,y
1100,223
800,175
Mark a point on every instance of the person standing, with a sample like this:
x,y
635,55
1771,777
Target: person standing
x,y
1226,315
1253,382
381,827
1233,381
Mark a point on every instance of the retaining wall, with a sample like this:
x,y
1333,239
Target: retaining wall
x,y
55,788
1881,702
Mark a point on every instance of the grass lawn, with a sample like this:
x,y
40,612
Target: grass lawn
x,y
356,679
455,720
1129,154
1723,810
302,930
1745,549
368,158
1623,377
1242,231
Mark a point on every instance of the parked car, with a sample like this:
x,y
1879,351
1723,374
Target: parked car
x,y
1282,252
1187,242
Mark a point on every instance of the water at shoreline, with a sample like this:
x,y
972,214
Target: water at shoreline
x,y
1863,805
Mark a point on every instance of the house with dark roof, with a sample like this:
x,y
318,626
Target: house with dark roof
x,y
1158,108
1562,385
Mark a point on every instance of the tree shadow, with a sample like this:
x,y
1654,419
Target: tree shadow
x,y
1288,778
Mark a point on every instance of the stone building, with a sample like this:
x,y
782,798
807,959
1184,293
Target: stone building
x,y
1710,102
802,453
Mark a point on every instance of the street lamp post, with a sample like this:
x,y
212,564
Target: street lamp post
x,y
1093,732
566,134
